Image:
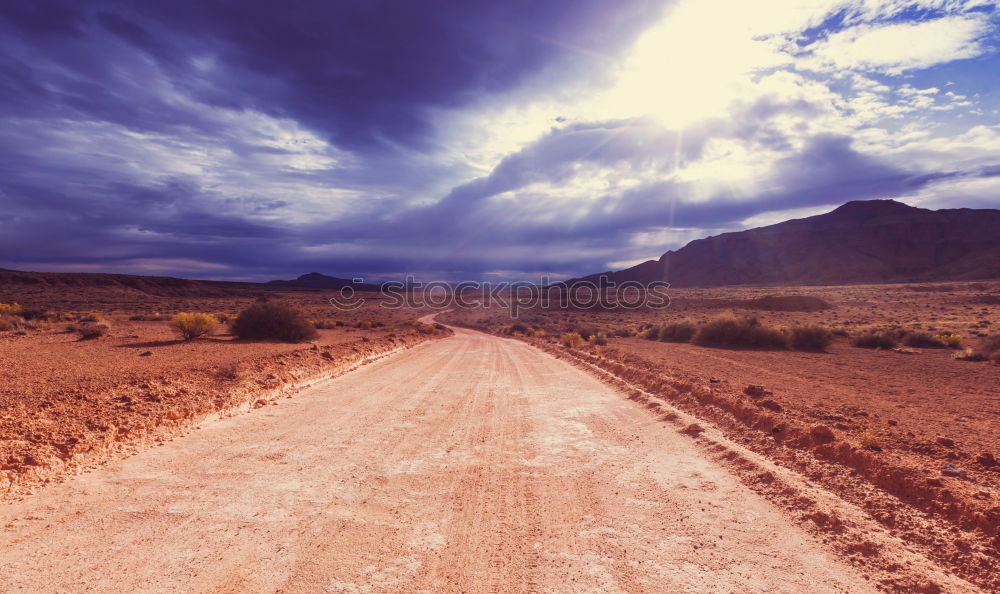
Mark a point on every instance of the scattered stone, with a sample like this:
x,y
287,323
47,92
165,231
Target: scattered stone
x,y
934,482
892,423
260,403
986,459
756,391
949,469
779,428
713,380
822,433
944,441
327,355
146,353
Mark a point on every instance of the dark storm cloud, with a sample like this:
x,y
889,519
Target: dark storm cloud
x,y
361,72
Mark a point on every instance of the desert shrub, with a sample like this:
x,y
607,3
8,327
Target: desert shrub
x,y
874,340
952,341
622,332
92,317
810,337
682,331
325,324
35,313
922,340
540,333
365,325
10,308
440,327
585,332
193,325
426,329
599,339
571,340
729,331
651,333
223,317
92,330
970,355
273,320
5,324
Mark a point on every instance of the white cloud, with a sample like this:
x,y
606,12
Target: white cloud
x,y
898,47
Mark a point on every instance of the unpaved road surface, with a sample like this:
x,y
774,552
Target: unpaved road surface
x,y
471,464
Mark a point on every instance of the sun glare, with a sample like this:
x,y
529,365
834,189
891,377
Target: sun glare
x,y
692,65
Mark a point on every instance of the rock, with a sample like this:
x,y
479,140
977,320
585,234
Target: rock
x,y
949,469
145,353
756,391
929,588
822,433
713,380
986,459
944,441
770,405
260,403
327,355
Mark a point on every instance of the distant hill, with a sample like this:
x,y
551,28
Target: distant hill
x,y
873,241
164,286
315,280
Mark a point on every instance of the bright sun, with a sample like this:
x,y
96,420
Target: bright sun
x,y
691,66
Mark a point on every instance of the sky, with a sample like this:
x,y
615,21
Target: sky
x,y
251,140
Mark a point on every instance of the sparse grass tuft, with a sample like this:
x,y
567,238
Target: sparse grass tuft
x,y
727,330
193,325
273,320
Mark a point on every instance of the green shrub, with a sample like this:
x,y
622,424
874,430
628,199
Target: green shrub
x,y
193,325
810,337
729,331
273,320
682,331
874,340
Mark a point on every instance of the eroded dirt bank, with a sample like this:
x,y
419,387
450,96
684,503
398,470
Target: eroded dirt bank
x,y
69,405
472,464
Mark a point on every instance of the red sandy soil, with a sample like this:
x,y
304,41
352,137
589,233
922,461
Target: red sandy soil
x,y
68,404
470,464
876,427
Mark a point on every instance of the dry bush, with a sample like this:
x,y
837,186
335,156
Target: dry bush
x,y
810,337
936,341
324,324
193,325
92,317
273,320
651,333
223,317
571,340
10,308
92,330
599,339
729,331
874,340
5,323
682,331
970,355
540,333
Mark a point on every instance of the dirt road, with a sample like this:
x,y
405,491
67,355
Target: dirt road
x,y
472,464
